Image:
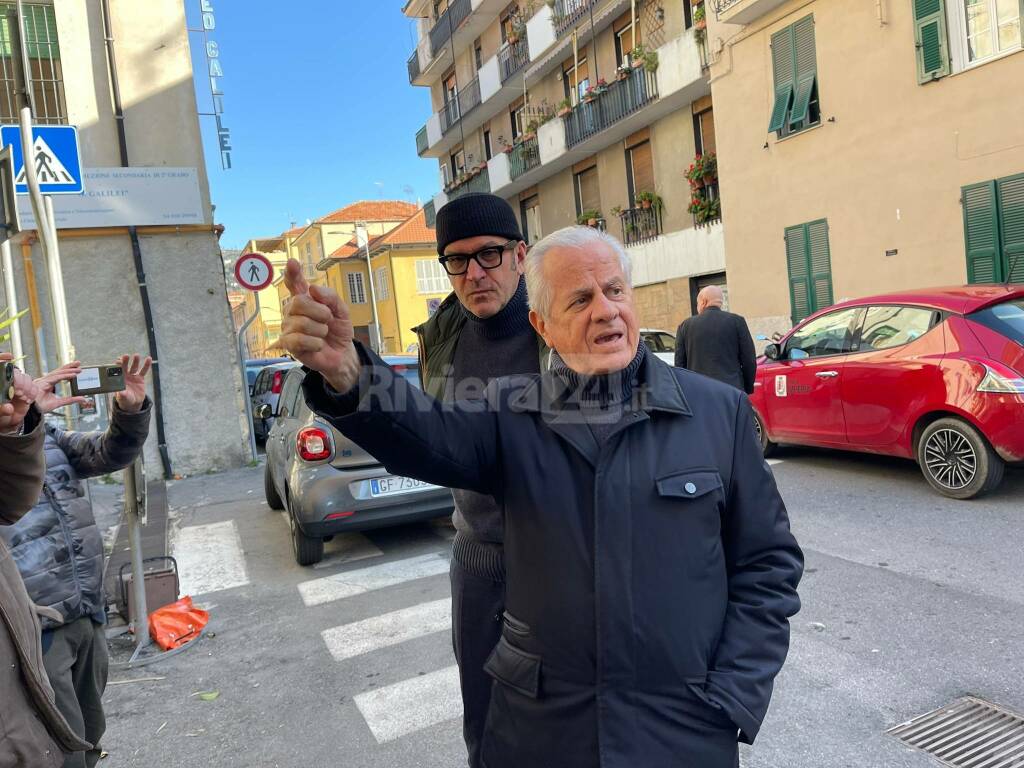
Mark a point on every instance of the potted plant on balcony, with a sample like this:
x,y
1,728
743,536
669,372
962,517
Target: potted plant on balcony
x,y
651,61
649,200
710,168
565,107
700,20
617,210
695,173
589,218
623,72
636,56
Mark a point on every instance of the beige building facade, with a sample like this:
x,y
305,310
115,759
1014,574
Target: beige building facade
x,y
579,111
866,147
201,424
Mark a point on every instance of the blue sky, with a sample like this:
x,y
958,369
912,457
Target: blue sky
x,y
321,112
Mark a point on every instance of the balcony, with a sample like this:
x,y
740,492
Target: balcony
x,y
743,11
525,156
430,213
623,108
568,13
512,58
421,141
682,253
478,182
458,11
622,98
413,66
467,99
640,224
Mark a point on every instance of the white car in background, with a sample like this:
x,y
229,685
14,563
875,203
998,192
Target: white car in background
x,y
661,343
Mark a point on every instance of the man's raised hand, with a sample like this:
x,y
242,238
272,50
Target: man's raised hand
x,y
317,330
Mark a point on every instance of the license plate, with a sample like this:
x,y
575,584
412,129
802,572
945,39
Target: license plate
x,y
391,486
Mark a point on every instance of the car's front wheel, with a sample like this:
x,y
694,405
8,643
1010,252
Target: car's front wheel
x,y
767,446
269,491
957,461
308,550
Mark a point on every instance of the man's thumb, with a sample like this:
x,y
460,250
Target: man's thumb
x,y
328,298
294,280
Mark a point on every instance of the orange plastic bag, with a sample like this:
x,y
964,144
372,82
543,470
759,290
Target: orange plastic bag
x,y
174,625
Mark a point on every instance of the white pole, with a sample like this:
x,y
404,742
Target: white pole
x,y
242,355
47,239
12,299
375,339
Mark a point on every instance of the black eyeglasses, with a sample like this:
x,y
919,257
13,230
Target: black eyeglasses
x,y
488,258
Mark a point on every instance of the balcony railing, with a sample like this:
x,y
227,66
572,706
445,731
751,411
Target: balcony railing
x,y
429,213
708,193
568,13
481,182
414,66
513,58
525,156
640,224
621,98
456,109
458,11
421,140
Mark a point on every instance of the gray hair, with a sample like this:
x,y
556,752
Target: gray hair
x,y
580,238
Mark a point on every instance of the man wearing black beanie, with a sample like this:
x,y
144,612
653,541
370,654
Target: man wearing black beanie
x,y
480,332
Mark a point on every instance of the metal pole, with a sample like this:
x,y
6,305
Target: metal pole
x,y
375,339
11,297
55,273
141,612
42,362
245,382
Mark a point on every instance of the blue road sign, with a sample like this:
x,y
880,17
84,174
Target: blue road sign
x,y
58,162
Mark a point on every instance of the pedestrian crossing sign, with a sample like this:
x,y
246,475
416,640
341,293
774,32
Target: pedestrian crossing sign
x,y
55,156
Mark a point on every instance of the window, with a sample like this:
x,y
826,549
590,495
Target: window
x,y
887,327
639,170
458,163
40,31
356,291
289,394
810,268
517,112
529,212
431,277
704,131
1006,318
831,334
575,79
659,341
994,230
588,191
795,76
985,28
310,266
478,55
381,283
624,43
488,152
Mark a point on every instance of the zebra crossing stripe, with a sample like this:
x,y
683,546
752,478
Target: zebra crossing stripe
x,y
773,462
347,548
209,558
349,583
357,638
411,705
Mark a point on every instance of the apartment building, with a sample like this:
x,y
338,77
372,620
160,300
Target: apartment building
x,y
262,336
142,266
865,147
581,110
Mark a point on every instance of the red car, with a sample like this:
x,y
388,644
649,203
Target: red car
x,y
932,375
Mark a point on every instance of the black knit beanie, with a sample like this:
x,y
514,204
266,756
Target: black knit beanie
x,y
473,215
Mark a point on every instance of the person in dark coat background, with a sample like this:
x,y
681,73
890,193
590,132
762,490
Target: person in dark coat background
x,y
650,567
717,343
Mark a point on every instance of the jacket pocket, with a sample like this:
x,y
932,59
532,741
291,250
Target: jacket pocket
x,y
712,709
515,668
690,484
514,625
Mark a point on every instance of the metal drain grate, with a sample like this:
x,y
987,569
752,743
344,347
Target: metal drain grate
x,y
969,733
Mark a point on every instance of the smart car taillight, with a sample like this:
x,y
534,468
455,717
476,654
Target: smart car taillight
x,y
313,444
275,385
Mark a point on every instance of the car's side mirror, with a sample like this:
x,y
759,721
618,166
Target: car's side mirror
x,y
263,411
772,352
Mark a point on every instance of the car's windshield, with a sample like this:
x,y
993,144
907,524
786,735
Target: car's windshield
x,y
1006,318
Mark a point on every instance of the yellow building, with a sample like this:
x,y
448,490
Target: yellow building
x,y
866,147
262,336
581,110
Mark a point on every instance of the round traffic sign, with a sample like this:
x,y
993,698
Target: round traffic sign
x,y
254,271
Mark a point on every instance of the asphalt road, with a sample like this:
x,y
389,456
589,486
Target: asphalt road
x,y
910,601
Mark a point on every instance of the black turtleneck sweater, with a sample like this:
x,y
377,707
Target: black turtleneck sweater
x,y
602,400
501,345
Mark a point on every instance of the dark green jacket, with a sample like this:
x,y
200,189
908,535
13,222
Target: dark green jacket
x,y
438,338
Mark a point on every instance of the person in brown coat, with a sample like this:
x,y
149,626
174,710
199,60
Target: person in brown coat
x,y
33,733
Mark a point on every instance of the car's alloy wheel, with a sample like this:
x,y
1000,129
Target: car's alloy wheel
x,y
957,461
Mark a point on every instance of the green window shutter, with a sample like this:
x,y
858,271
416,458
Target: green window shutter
x,y
821,264
1010,196
783,76
805,68
802,99
981,233
799,272
39,28
930,40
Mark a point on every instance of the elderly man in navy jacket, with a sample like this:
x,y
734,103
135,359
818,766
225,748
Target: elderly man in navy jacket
x,y
651,571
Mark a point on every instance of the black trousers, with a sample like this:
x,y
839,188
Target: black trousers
x,y
76,663
477,605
